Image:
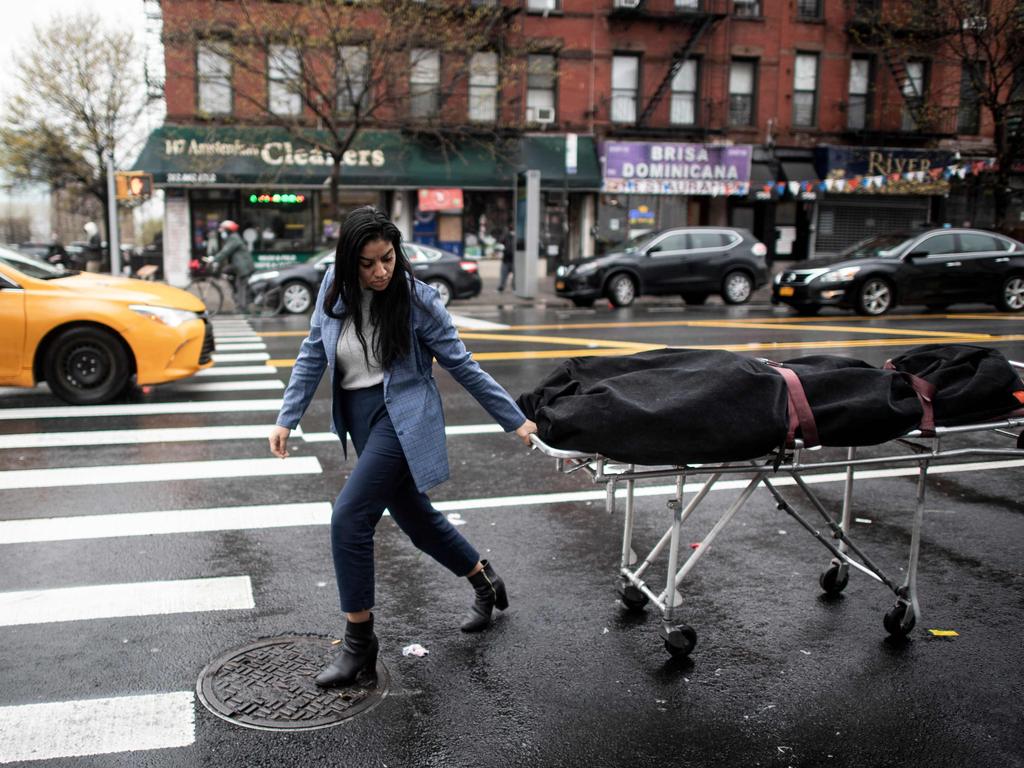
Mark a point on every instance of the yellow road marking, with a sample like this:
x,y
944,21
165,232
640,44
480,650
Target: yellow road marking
x,y
756,325
746,347
771,321
479,336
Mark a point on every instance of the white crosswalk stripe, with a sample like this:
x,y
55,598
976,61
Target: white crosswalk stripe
x,y
139,409
97,726
230,386
138,436
38,530
114,601
245,346
170,522
239,357
157,473
235,370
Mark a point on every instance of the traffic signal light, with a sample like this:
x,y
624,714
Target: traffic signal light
x,y
133,185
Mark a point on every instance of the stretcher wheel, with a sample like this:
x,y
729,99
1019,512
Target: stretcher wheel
x,y
893,620
680,640
830,581
633,598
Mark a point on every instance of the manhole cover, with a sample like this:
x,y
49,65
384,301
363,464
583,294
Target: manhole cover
x,y
269,685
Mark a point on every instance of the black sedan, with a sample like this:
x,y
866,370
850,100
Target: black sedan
x,y
934,267
692,262
452,277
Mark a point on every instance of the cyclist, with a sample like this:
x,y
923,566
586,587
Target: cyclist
x,y
236,261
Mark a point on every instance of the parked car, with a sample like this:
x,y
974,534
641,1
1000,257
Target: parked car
x,y
934,267
454,278
88,334
692,262
39,251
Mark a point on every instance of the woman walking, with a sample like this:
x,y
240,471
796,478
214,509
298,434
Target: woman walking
x,y
378,330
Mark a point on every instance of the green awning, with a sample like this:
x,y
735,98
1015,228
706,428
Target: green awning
x,y
251,156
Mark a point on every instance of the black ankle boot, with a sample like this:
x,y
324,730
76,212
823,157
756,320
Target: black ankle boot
x,y
358,654
490,594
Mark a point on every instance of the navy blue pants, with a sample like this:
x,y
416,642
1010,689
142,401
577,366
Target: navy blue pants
x,y
382,480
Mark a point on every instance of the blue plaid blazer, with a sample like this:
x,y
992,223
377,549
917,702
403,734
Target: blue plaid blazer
x,y
410,391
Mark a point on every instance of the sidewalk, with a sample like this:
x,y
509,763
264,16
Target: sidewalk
x,y
490,271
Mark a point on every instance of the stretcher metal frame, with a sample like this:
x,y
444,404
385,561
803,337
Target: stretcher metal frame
x,y
925,451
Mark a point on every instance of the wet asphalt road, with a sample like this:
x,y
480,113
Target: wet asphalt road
x,y
781,675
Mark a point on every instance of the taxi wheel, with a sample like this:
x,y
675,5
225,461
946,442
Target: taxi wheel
x,y
86,366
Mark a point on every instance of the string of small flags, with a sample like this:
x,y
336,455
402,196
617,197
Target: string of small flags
x,y
939,175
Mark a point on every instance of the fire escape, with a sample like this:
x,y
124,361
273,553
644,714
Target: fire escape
x,y
897,39
695,18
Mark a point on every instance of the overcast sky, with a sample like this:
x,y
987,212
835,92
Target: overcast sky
x,y
19,16
16,32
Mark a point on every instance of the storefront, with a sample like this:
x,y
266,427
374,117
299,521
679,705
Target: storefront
x,y
654,185
873,190
277,188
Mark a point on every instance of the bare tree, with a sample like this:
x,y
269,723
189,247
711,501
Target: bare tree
x,y
325,70
80,98
983,40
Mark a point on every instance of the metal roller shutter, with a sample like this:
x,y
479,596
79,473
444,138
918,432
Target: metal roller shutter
x,y
841,223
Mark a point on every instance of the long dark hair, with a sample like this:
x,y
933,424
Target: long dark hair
x,y
390,309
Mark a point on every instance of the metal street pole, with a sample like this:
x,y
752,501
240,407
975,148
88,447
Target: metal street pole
x,y
526,261
113,239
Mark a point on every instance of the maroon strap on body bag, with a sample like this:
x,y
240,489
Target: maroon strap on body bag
x,y
925,392
800,413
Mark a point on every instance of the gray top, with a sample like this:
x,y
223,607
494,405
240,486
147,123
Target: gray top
x,y
353,371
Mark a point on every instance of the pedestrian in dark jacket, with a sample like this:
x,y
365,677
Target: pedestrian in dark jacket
x,y
508,258
234,259
93,248
378,330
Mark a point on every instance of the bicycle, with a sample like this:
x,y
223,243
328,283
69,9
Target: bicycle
x,y
206,286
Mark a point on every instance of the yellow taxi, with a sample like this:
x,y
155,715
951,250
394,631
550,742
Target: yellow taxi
x,y
87,335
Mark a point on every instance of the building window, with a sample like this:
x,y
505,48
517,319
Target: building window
x,y
805,90
353,78
913,89
687,5
540,6
808,9
625,86
424,82
968,117
684,94
748,8
483,87
540,88
742,73
284,77
858,104
213,72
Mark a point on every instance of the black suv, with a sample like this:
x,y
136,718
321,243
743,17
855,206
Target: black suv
x,y
692,262
934,267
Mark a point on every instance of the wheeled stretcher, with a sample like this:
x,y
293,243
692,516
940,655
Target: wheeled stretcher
x,y
918,449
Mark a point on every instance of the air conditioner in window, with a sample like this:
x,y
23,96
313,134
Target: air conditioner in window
x,y
540,115
979,23
627,3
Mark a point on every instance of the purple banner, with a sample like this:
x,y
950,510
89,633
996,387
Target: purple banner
x,y
668,168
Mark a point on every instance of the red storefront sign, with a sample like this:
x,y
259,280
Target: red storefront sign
x,y
440,199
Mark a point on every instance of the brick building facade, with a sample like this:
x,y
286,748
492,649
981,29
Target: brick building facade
x,y
796,82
